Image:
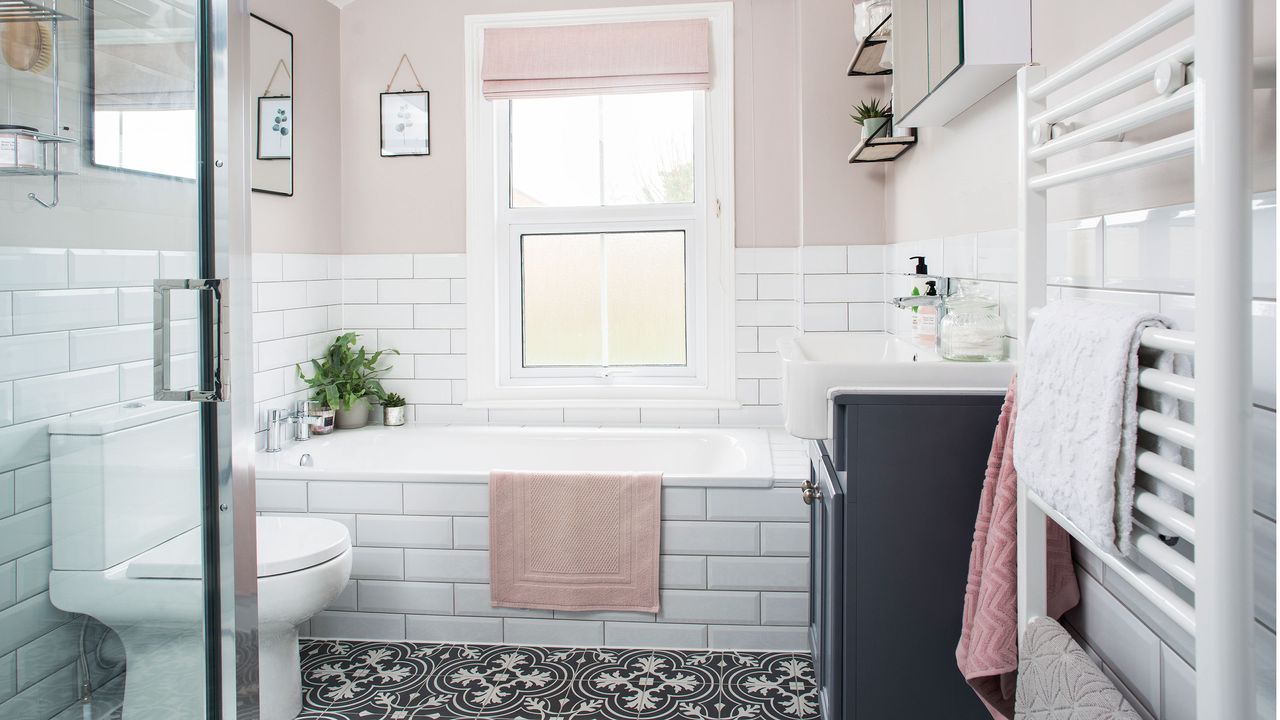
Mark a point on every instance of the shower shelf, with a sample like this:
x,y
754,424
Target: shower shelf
x,y
35,172
27,11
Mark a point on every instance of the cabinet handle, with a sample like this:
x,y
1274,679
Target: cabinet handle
x,y
811,494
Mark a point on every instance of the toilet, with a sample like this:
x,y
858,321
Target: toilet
x,y
127,551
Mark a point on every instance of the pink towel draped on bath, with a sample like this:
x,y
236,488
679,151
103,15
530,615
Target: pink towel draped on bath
x,y
988,649
575,541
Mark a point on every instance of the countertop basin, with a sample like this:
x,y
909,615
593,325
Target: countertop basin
x,y
817,366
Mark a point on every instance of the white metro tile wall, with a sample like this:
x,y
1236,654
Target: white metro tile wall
x,y
75,334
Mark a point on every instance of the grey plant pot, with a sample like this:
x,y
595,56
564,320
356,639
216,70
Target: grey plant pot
x,y
871,126
356,417
393,416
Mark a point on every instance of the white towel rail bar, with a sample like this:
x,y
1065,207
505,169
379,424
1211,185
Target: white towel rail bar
x,y
1147,28
1179,523
1167,472
1179,341
1144,73
1178,386
1153,152
1132,119
1170,429
1166,558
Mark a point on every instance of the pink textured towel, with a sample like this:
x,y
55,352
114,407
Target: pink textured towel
x,y
575,541
988,649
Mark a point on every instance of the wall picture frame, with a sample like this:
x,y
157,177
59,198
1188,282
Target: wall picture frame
x,y
275,128
406,123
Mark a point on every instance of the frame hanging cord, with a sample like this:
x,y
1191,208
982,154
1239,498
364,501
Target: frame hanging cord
x,y
280,64
404,59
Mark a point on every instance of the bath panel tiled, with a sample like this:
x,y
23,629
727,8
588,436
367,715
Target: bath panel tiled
x,y
654,635
530,631
454,629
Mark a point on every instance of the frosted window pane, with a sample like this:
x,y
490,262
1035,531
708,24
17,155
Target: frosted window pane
x,y
555,152
646,299
562,323
648,148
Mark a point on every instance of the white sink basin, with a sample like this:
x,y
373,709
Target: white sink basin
x,y
815,365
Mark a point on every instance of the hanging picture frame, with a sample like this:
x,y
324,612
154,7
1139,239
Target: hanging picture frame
x,y
405,127
275,128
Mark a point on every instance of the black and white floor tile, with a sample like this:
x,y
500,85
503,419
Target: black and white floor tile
x,y
350,680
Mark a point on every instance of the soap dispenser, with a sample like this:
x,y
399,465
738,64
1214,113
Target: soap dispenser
x,y
924,323
917,288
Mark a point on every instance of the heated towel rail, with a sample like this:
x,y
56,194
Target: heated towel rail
x,y
1207,592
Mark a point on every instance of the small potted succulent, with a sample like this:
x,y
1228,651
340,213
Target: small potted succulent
x,y
872,116
393,409
345,378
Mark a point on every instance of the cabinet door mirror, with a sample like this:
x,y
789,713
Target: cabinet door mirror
x,y
928,46
143,96
271,105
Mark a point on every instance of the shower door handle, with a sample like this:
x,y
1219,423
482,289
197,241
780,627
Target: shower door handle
x,y
212,294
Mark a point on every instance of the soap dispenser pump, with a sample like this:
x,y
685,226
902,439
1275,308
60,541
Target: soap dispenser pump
x,y
921,267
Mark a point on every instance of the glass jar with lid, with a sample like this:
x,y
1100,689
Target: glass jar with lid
x,y
971,330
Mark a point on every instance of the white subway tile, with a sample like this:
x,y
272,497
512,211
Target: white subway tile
x,y
682,572
866,259
413,291
377,316
755,416
771,336
6,404
136,380
745,339
1264,245
134,305
770,392
458,389
843,288
1144,301
268,326
759,365
527,631
866,317
677,417
267,267
51,395
540,416
404,531
1127,645
1178,687
354,497
346,599
474,599
446,499
744,637
8,596
470,533
28,620
784,608
602,416
1075,252
405,597
960,255
434,628
997,255
784,539
439,316
458,342
377,563
377,266
1263,425
451,367
747,392
684,504
710,606
305,321
1264,570
177,264
360,291
31,487
281,295
88,268
767,260
458,290
778,287
324,292
744,287
447,565
710,538
412,342
755,504
758,573
282,353
773,313
440,265
1181,308
825,317
303,266
6,313
268,384
358,625
614,615
428,391
24,444
654,635
24,533
33,578
818,259
37,311
32,268
29,355
282,495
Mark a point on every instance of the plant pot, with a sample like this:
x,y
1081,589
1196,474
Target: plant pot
x,y
356,417
872,126
393,416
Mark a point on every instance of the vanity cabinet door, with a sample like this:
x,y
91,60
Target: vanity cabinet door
x,y
827,576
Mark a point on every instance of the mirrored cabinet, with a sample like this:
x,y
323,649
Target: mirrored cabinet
x,y
948,54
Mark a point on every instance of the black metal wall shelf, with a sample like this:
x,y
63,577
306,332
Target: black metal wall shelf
x,y
870,52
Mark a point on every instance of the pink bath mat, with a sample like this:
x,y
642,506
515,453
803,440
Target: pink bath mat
x,y
575,541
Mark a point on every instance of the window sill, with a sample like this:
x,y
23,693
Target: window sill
x,y
621,401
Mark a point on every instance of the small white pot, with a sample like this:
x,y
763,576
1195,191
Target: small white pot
x,y
872,126
393,416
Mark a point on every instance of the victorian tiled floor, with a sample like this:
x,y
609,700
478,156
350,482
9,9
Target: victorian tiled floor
x,y
350,680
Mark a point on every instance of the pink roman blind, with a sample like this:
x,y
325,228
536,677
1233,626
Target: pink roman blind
x,y
654,56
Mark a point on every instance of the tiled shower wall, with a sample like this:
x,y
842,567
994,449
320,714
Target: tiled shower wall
x,y
1145,259
75,333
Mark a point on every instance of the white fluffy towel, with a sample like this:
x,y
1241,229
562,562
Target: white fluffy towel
x,y
1077,438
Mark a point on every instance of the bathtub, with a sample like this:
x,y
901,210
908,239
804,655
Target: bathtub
x,y
690,457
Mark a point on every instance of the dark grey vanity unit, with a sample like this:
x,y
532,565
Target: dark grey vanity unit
x,y
893,504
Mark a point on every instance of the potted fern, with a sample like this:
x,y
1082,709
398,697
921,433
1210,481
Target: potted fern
x,y
393,409
871,115
345,378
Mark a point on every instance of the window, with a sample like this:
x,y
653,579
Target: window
x,y
598,237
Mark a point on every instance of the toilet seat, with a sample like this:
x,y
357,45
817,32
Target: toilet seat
x,y
285,545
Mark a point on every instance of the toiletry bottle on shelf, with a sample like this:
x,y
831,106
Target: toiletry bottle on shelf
x,y
917,285
924,324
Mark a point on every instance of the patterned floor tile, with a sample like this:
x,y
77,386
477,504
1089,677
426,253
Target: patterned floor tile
x,y
645,684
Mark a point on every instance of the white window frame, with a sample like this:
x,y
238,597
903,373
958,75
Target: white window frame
x,y
496,377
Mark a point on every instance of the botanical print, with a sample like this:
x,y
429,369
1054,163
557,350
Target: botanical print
x,y
275,128
406,126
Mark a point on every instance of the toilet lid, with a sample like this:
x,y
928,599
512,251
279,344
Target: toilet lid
x,y
284,545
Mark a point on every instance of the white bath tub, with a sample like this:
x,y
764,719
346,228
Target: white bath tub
x,y
695,457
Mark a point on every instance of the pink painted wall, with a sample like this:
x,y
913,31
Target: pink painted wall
x,y
419,204
310,220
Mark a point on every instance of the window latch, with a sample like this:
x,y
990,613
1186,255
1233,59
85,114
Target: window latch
x,y
717,207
